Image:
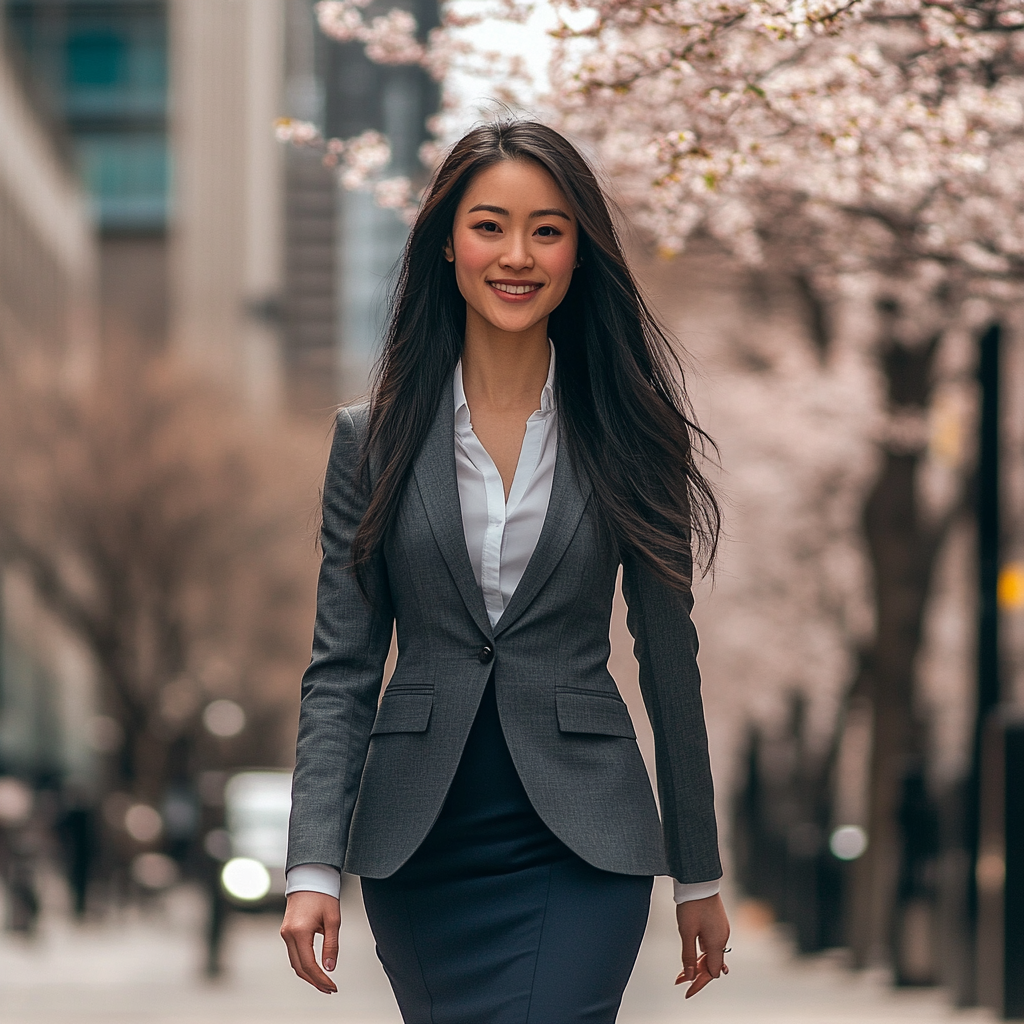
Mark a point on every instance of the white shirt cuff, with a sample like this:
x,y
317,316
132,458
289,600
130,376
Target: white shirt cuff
x,y
682,892
323,878
314,878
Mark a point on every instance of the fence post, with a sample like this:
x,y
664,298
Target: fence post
x,y
1013,887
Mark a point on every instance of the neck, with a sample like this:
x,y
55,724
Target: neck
x,y
503,369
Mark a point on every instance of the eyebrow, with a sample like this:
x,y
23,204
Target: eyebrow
x,y
553,212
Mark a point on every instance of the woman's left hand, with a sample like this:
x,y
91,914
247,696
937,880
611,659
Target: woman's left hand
x,y
705,920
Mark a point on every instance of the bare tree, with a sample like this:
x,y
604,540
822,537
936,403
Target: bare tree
x,y
170,533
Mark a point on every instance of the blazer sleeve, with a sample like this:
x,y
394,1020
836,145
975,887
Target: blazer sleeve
x,y
665,645
341,686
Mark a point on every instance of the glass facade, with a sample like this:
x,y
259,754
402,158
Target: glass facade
x,y
103,68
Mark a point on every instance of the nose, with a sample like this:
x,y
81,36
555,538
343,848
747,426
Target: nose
x,y
517,254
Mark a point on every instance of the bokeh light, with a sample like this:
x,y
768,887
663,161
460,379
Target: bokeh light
x,y
143,823
154,871
245,879
848,842
224,718
15,802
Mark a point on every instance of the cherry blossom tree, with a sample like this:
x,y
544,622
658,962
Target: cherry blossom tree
x,y
861,143
861,135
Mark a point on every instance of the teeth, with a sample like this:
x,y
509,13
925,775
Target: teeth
x,y
515,289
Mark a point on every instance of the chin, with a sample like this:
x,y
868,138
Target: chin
x,y
511,324
518,327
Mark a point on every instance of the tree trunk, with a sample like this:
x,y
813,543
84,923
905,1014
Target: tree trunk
x,y
903,549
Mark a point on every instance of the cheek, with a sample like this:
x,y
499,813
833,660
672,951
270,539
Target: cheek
x,y
473,254
559,263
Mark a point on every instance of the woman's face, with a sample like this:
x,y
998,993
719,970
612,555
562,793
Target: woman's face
x,y
513,244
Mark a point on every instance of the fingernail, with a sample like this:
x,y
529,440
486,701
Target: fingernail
x,y
329,964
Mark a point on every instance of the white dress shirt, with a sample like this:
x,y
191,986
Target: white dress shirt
x,y
500,536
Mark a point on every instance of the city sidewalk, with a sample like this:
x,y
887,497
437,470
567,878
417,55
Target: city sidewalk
x,y
145,970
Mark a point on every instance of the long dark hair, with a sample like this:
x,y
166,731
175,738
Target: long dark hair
x,y
621,399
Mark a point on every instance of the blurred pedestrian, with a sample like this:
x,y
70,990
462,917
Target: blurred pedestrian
x,y
527,434
76,829
19,853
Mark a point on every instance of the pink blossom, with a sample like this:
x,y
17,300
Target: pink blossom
x,y
393,193
391,39
340,19
367,153
298,133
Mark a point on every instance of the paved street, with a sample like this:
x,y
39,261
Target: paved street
x,y
144,970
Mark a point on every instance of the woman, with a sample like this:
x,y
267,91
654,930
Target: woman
x,y
525,438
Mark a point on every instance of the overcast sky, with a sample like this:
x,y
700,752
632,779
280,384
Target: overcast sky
x,y
530,41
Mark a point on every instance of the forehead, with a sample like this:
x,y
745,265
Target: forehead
x,y
515,185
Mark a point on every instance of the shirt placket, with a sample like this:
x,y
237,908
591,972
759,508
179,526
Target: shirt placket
x,y
529,457
490,565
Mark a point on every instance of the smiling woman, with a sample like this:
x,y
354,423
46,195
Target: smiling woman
x,y
513,266
518,257
527,435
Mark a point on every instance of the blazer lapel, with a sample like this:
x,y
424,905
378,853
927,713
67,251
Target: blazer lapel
x,y
434,470
569,497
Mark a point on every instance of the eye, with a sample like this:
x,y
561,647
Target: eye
x,y
548,231
488,225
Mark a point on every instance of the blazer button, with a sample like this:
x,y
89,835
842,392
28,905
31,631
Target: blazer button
x,y
485,654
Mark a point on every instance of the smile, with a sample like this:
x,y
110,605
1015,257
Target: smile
x,y
514,289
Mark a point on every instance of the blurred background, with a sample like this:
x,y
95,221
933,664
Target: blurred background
x,y
184,301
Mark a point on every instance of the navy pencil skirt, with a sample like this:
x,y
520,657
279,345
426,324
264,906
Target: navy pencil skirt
x,y
495,921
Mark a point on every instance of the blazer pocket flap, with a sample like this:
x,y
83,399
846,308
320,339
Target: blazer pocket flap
x,y
593,713
403,712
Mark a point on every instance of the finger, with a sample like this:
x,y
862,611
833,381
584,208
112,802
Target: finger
x,y
329,955
714,961
714,937
689,939
699,969
309,969
296,961
293,959
307,957
702,979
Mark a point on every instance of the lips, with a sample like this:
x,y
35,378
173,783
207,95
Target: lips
x,y
515,288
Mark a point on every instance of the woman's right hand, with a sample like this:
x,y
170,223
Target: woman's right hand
x,y
309,914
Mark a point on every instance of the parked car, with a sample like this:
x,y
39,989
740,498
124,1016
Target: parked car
x,y
256,808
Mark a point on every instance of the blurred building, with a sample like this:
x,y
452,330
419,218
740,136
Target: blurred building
x,y
339,246
226,238
310,301
47,252
100,69
214,238
48,308
168,108
396,101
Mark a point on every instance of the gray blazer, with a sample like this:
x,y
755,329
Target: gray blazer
x,y
370,779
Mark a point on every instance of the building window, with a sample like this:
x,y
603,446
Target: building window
x,y
104,66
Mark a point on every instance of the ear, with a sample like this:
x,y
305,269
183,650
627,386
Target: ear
x,y
449,252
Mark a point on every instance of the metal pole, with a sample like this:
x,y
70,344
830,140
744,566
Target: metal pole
x,y
988,689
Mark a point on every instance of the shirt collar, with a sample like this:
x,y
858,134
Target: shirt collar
x,y
547,395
